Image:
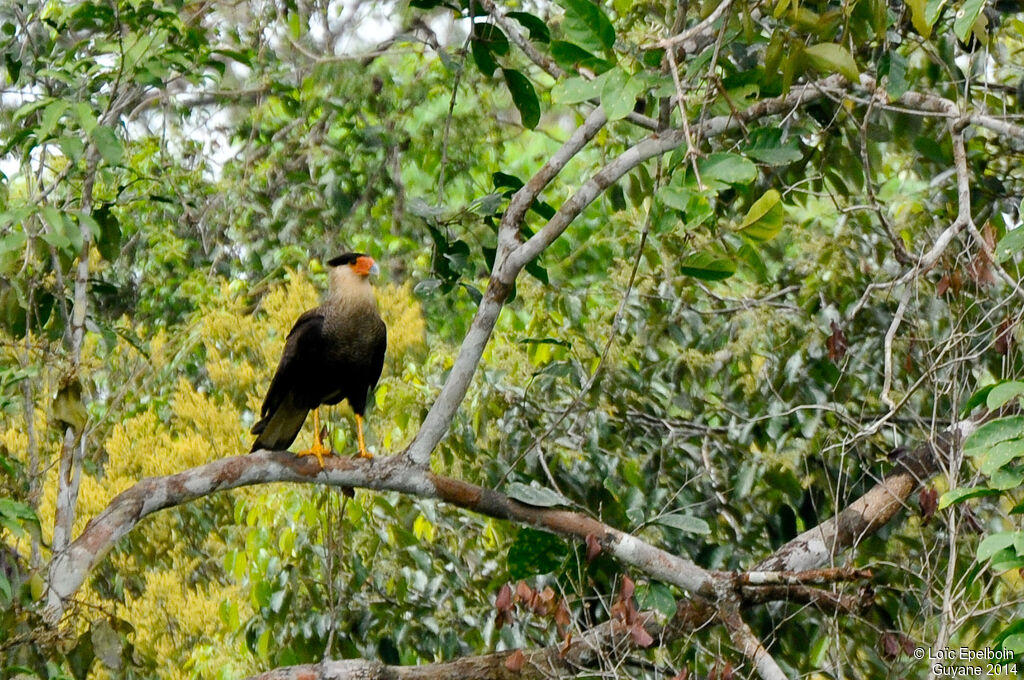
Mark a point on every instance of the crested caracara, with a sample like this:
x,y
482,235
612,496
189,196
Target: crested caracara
x,y
333,352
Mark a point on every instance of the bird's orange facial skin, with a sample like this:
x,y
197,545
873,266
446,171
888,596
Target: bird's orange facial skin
x,y
363,265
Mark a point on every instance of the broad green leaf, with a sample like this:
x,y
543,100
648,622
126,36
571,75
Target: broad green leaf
x,y
674,197
767,146
1014,643
108,144
535,495
571,57
51,116
994,543
1004,479
1010,244
721,169
1004,392
993,433
966,16
1001,454
524,97
707,267
833,58
687,523
576,89
587,25
535,552
59,234
619,93
764,219
537,28
656,596
918,17
896,73
964,493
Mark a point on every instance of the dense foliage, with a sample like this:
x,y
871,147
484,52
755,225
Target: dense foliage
x,y
728,346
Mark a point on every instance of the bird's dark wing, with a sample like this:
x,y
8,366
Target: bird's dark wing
x,y
377,362
305,340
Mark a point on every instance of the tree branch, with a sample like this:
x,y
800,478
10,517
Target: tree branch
x,y
69,567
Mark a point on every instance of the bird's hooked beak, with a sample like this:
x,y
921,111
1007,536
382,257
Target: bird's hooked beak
x,y
365,266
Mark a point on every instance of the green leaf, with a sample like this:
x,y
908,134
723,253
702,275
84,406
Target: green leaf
x,y
1010,244
918,17
764,219
965,18
833,58
577,89
535,495
674,197
51,116
687,523
994,543
959,495
619,93
707,267
571,57
656,596
587,24
1004,392
535,552
537,28
992,433
721,169
896,71
109,240
108,144
1001,454
766,145
523,96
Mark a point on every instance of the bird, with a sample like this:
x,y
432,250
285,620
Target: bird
x,y
333,352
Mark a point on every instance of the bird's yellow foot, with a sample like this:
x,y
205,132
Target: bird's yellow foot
x,y
363,453
318,449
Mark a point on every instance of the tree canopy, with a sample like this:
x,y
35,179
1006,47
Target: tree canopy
x,y
703,338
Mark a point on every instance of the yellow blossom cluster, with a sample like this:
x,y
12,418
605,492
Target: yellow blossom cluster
x,y
178,423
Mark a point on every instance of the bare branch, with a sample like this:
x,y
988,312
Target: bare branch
x,y
69,567
751,647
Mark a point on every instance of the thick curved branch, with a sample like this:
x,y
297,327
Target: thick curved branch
x,y
69,567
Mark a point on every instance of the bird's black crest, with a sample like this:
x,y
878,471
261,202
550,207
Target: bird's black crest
x,y
347,258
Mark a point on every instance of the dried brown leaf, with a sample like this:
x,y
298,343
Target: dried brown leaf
x,y
515,661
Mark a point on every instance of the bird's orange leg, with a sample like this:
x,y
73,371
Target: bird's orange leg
x,y
363,453
318,449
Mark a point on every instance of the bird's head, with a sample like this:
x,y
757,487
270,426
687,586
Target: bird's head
x,y
358,263
349,279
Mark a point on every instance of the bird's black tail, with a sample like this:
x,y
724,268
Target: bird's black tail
x,y
278,430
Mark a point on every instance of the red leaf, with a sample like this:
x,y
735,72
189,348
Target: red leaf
x,y
640,635
891,647
836,343
628,587
503,603
515,661
562,615
682,675
566,644
942,286
980,268
524,593
929,501
727,672
543,603
1004,337
593,547
907,644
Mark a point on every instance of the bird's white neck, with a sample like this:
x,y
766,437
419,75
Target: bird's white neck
x,y
348,290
